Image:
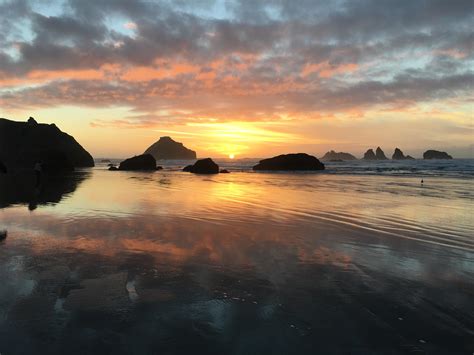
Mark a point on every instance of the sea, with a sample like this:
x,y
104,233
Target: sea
x,y
361,258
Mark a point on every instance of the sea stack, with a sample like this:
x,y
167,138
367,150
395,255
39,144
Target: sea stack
x,y
139,162
167,148
203,166
369,155
337,156
22,144
435,154
379,154
290,162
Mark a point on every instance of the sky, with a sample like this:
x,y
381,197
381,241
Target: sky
x,y
243,77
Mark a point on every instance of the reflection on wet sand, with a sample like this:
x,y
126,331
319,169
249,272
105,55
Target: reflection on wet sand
x,y
22,188
234,265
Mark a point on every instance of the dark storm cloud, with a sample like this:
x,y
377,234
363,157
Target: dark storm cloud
x,y
310,55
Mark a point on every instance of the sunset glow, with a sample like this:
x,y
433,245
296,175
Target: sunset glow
x,y
242,78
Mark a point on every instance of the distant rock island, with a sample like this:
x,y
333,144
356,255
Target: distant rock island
x,y
378,155
369,155
22,144
293,162
435,154
337,156
398,155
167,148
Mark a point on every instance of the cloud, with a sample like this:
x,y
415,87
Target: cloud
x,y
130,25
237,59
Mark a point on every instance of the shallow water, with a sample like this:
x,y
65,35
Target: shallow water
x,y
240,263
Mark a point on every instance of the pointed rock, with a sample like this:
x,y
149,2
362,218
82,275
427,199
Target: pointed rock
x,y
167,148
398,155
369,155
379,154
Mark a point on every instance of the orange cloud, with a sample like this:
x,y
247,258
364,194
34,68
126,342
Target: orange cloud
x,y
326,70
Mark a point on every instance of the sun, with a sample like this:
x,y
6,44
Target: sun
x,y
231,156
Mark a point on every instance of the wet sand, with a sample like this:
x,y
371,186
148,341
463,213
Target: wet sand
x,y
242,263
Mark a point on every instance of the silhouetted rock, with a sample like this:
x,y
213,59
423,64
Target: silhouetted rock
x,y
398,155
166,148
203,166
300,161
3,168
224,171
3,234
409,157
113,168
379,154
337,156
369,155
22,144
159,168
105,161
139,162
435,154
55,160
188,168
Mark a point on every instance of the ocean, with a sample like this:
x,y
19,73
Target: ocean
x,y
361,258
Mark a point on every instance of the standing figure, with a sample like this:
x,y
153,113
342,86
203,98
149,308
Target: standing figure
x,y
38,170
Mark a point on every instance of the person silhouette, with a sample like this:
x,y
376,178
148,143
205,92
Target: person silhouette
x,y
38,171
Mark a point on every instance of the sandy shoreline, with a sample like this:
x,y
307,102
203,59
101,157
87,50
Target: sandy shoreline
x,y
133,262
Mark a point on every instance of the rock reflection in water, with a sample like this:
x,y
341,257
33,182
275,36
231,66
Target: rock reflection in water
x,y
21,188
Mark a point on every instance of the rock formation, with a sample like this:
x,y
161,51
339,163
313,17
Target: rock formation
x,y
337,156
139,162
203,166
435,154
166,148
398,155
379,154
56,160
22,144
188,168
369,155
300,161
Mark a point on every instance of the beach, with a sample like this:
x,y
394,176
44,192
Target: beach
x,y
359,259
